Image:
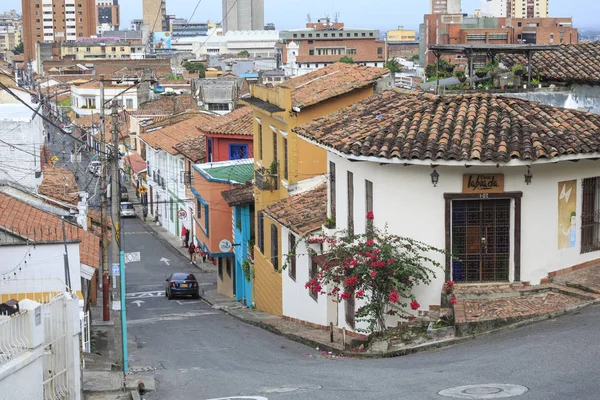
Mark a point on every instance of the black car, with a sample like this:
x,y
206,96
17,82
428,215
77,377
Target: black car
x,y
182,284
124,193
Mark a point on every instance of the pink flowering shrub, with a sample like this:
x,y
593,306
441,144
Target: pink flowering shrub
x,y
376,267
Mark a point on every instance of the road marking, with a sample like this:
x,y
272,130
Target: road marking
x,y
132,257
138,302
165,260
141,295
171,317
138,233
241,397
187,302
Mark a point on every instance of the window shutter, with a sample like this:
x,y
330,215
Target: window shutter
x,y
292,252
312,274
369,202
350,203
261,232
332,189
274,247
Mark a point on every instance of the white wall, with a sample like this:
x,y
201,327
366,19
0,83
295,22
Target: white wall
x,y
43,270
405,199
25,383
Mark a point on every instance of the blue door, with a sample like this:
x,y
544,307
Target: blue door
x,y
243,283
238,151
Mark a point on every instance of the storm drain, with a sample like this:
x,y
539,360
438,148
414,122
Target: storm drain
x,y
486,391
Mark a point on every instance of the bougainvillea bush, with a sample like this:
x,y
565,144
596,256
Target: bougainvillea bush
x,y
377,267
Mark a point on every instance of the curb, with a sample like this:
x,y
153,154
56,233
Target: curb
x,y
414,349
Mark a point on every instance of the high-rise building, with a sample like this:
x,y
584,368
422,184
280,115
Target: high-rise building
x,y
109,15
154,13
528,9
49,21
444,6
11,30
243,15
495,8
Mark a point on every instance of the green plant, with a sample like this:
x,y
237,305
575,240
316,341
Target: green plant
x,y
460,75
481,72
329,223
393,65
248,269
194,68
273,167
535,81
376,267
415,58
346,60
445,71
19,48
519,70
244,53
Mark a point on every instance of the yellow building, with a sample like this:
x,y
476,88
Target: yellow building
x,y
401,35
285,165
96,50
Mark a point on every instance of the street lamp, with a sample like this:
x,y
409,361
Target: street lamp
x,y
435,177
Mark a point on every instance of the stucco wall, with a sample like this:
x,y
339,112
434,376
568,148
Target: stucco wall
x,y
25,377
406,200
584,97
268,280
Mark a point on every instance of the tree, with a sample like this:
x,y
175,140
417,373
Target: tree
x,y
244,53
445,71
194,68
19,48
393,65
377,268
346,60
414,58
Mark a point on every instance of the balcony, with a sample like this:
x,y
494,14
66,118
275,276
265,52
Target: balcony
x,y
265,180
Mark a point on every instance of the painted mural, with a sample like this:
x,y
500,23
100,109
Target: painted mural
x,y
567,215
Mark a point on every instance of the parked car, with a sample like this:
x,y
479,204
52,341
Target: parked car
x,y
127,209
182,284
124,194
94,168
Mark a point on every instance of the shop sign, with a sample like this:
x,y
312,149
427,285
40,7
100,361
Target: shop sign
x,y
483,183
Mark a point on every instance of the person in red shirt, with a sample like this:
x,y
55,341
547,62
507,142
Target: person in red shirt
x,y
183,236
192,252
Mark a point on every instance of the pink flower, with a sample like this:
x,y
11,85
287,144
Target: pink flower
x,y
353,262
450,283
346,295
370,215
360,294
414,305
351,281
370,242
373,274
395,296
453,300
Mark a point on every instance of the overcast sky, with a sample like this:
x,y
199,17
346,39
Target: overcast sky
x,y
379,14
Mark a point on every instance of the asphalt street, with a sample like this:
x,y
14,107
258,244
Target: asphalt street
x,y
201,353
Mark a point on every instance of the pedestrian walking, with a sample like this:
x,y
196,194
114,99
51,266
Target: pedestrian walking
x,y
183,232
145,212
192,252
187,238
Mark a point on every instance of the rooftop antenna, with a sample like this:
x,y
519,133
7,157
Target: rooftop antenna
x,y
336,17
308,18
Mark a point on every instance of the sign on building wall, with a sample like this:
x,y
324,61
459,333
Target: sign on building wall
x,y
567,217
482,183
162,40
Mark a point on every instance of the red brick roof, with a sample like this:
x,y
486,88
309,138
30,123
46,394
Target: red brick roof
x,y
194,149
331,81
59,184
482,127
168,136
135,161
237,122
239,195
87,121
302,213
167,105
37,225
572,63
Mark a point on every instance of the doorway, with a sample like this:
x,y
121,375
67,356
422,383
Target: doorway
x,y
480,240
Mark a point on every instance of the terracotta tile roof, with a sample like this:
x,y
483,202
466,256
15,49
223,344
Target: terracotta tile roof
x,y
194,149
572,63
59,184
37,225
169,136
87,121
331,81
135,161
237,122
239,196
302,213
481,127
167,105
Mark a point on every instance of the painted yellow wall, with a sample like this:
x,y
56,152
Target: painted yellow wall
x,y
40,297
305,161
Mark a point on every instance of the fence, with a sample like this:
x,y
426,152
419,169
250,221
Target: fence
x,y
14,339
85,336
59,358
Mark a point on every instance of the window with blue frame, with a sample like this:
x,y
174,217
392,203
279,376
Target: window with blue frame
x,y
209,157
238,151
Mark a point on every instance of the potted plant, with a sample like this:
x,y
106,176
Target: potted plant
x,y
480,73
519,70
460,75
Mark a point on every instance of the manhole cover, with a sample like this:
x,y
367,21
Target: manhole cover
x,y
487,391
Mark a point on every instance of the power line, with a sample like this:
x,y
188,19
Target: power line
x,y
220,23
195,8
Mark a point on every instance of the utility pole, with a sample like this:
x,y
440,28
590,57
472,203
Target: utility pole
x,y
104,209
117,256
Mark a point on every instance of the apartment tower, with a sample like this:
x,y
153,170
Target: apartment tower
x,y
529,9
154,13
109,15
49,21
243,15
444,6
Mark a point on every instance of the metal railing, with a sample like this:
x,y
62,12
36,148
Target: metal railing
x,y
14,339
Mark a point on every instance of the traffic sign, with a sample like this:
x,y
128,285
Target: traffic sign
x,y
54,159
142,190
225,246
116,270
182,214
